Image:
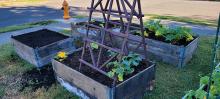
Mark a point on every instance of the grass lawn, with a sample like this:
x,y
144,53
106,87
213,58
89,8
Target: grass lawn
x,y
184,19
171,82
66,32
25,26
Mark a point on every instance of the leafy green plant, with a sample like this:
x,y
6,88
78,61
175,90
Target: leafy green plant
x,y
204,81
175,34
94,46
172,35
190,94
111,53
153,25
124,67
162,31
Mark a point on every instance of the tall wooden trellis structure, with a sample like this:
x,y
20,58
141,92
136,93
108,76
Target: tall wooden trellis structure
x,y
125,10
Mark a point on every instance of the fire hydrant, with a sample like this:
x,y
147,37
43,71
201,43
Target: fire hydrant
x,y
66,10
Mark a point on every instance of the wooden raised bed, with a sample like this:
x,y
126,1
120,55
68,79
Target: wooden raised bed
x,y
80,28
39,47
172,54
89,83
178,55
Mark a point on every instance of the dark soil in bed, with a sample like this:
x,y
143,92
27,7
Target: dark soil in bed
x,y
72,61
40,38
100,23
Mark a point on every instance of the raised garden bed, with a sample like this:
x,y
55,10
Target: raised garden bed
x,y
39,47
89,83
177,53
80,28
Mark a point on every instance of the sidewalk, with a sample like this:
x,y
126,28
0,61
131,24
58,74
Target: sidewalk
x,y
65,24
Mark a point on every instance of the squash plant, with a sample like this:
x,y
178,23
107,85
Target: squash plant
x,y
201,93
170,34
125,66
153,25
176,34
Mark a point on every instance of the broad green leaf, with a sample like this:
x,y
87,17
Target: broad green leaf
x,y
94,45
204,80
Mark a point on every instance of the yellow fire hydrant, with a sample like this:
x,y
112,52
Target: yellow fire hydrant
x,y
66,10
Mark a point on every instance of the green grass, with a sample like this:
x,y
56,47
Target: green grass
x,y
66,32
11,66
184,19
25,26
56,91
2,91
79,16
171,82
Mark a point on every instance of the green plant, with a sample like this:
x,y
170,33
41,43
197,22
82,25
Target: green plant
x,y
111,53
162,31
190,94
25,26
172,35
94,46
125,66
184,32
61,56
204,81
175,34
153,25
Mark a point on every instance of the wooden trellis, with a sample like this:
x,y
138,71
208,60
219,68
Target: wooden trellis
x,y
125,11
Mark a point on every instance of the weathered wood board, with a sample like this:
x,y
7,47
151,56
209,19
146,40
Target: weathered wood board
x,y
133,88
42,56
165,52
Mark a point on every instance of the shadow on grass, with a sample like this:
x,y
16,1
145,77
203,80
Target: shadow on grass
x,y
38,78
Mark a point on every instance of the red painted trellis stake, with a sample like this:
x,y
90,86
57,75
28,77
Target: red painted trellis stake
x,y
125,11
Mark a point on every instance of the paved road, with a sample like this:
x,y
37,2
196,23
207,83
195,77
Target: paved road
x,y
19,15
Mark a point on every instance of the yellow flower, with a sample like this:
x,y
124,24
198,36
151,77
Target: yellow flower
x,y
62,55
